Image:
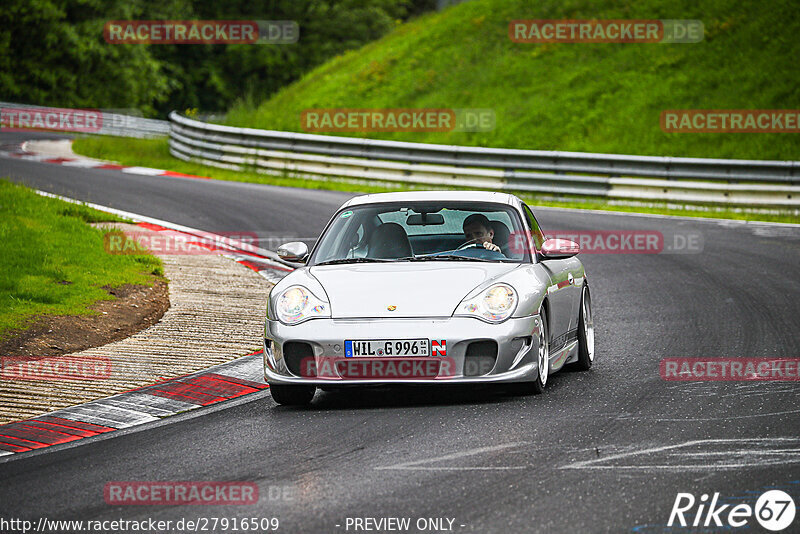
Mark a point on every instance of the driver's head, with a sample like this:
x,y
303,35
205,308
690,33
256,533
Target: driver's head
x,y
478,229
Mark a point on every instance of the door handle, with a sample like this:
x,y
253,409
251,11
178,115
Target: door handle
x,y
570,279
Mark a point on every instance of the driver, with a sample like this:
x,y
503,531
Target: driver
x,y
478,230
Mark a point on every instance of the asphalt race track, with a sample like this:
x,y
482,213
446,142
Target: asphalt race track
x,y
606,450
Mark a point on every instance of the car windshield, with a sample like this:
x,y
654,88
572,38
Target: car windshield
x,y
442,231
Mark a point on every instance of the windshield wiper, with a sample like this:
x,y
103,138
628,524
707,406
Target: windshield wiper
x,y
352,260
446,257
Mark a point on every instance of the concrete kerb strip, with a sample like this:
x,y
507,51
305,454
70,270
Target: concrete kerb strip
x,y
235,380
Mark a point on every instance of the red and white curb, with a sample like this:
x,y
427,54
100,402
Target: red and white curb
x,y
243,376
23,152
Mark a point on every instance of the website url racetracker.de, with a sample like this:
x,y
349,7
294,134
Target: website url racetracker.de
x,y
174,526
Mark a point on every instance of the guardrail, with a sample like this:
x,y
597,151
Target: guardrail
x,y
117,124
322,157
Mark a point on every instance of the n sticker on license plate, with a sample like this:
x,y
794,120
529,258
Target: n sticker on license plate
x,y
387,347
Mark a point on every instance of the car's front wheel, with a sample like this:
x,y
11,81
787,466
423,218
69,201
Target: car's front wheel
x,y
292,395
542,359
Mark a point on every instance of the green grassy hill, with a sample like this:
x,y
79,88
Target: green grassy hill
x,y
568,96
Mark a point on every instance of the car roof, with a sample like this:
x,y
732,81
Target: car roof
x,y
439,196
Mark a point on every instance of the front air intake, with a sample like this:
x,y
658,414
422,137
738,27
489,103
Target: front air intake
x,y
299,357
480,358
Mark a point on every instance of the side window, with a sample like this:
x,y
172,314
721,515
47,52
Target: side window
x,y
538,237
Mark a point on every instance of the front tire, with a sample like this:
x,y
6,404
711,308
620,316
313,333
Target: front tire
x,y
543,361
292,395
585,333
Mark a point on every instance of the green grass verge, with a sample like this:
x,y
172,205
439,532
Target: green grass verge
x,y
53,263
155,153
603,98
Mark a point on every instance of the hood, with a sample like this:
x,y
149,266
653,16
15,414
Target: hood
x,y
415,289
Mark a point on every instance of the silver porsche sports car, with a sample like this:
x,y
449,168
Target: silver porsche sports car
x,y
427,288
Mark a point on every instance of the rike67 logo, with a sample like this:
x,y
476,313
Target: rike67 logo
x,y
774,510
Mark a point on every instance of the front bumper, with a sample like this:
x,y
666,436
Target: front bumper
x,y
516,338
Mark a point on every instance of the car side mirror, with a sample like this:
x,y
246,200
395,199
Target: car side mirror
x,y
555,248
296,251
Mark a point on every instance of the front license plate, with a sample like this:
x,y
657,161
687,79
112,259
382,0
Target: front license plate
x,y
387,347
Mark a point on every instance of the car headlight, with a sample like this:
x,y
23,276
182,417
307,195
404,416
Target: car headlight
x,y
298,304
494,305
